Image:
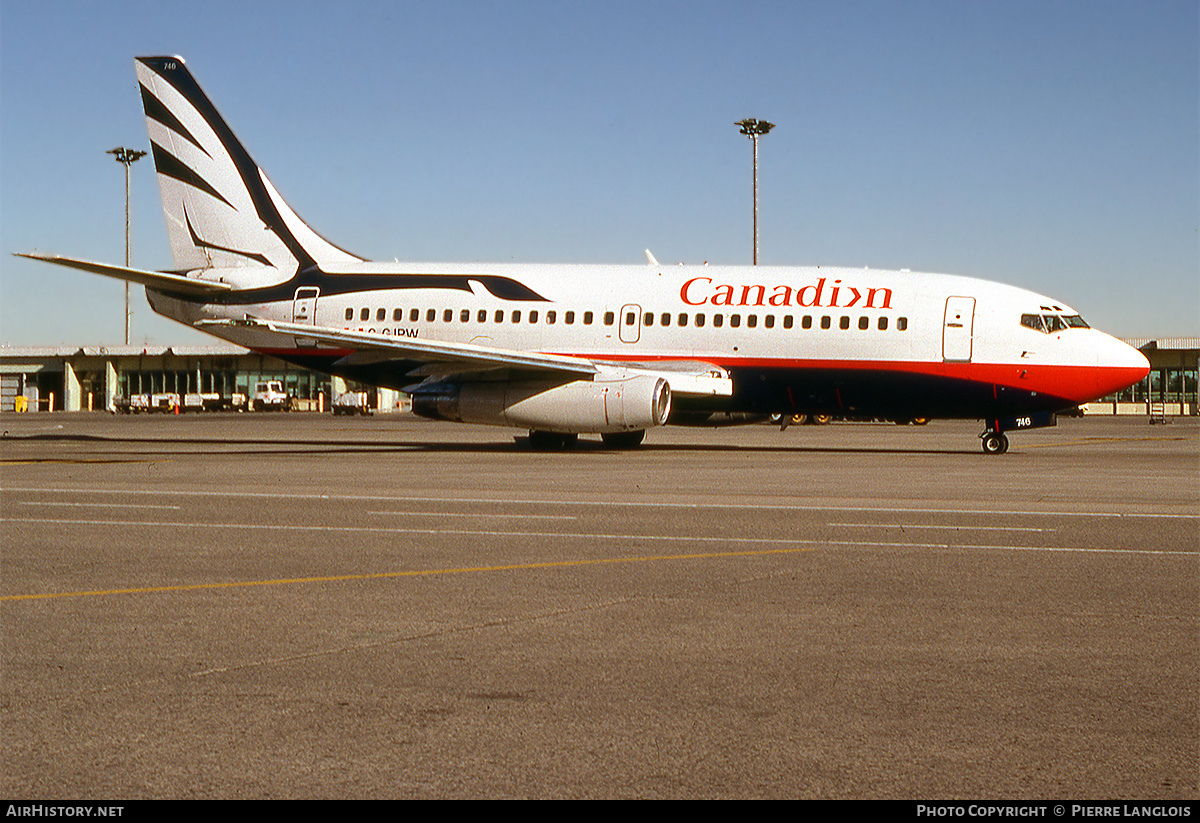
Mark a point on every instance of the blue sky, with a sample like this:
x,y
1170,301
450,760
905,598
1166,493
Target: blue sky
x,y
1052,145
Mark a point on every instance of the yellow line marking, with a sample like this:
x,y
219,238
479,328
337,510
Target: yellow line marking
x,y
413,573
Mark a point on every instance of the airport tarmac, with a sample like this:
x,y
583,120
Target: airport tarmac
x,y
260,606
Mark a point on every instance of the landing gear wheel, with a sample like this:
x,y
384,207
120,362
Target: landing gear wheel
x,y
994,443
624,440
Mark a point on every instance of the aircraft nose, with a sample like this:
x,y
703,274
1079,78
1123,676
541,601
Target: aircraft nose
x,y
1118,366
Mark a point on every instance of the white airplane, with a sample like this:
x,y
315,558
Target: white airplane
x,y
608,350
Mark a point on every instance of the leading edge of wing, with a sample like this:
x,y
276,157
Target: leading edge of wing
x,y
154,279
428,351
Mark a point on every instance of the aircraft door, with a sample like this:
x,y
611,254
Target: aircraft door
x,y
958,328
630,323
304,311
304,305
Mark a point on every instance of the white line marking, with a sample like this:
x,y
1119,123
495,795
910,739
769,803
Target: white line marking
x,y
479,515
641,504
936,526
590,536
97,505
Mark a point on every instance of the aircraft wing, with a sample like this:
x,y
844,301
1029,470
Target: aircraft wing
x,y
154,279
441,358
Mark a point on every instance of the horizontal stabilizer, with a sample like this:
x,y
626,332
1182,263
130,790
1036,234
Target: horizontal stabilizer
x,y
160,281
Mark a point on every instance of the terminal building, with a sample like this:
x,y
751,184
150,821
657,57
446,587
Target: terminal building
x,y
48,379
223,376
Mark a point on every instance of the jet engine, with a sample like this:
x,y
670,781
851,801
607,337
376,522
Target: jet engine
x,y
612,402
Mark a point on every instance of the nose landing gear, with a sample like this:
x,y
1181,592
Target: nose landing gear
x,y
994,442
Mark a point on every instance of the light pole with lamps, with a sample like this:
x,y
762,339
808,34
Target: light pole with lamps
x,y
755,129
126,157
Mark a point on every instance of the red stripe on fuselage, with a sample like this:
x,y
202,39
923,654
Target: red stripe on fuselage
x,y
1075,383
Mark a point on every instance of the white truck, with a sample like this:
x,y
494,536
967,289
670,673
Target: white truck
x,y
270,396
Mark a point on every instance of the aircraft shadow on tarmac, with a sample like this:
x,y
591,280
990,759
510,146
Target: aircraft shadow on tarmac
x,y
519,444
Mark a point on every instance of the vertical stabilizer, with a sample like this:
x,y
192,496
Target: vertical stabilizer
x,y
221,210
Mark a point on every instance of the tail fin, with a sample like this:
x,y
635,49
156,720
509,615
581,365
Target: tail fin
x,y
221,209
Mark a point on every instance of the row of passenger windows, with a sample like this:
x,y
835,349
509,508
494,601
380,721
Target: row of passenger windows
x,y
551,317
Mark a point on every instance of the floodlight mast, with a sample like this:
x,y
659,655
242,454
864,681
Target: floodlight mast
x,y
755,129
126,157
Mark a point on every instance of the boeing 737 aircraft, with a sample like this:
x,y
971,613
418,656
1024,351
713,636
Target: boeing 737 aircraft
x,y
608,350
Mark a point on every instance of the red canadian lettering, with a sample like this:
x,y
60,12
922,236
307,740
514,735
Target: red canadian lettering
x,y
762,293
887,298
724,295
816,294
683,292
700,291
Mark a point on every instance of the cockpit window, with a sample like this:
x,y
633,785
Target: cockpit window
x,y
1033,321
1049,323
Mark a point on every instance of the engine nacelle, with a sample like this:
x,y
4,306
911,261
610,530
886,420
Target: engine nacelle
x,y
612,402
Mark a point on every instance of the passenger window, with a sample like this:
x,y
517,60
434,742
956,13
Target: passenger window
x,y
787,321
648,319
735,320
499,316
516,316
397,315
587,318
864,323
349,314
769,321
609,317
699,320
465,316
826,322
569,318
533,317
551,317
718,320
630,318
448,315
365,314
681,320
381,315
482,316
414,315
665,320
901,324
431,315
883,324
844,323
752,320
806,321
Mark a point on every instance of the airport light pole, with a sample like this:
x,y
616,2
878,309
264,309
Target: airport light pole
x,y
755,129
126,157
